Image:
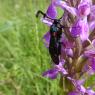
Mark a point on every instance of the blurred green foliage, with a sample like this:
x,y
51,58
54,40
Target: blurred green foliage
x,y
23,56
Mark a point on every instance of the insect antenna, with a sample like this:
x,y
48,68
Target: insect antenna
x,y
40,12
44,15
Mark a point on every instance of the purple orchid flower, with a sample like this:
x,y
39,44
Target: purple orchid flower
x,y
46,38
81,12
74,93
78,85
90,54
93,43
92,63
80,89
92,19
52,73
51,12
80,28
90,51
88,92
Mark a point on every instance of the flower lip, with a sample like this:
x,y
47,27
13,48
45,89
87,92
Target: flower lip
x,y
84,9
76,29
52,73
51,11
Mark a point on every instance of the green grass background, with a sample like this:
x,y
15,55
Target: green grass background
x,y
23,56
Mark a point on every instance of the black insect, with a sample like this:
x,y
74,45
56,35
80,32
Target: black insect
x,y
55,38
55,43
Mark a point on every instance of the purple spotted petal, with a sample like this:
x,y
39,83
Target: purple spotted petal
x,y
88,69
93,42
92,19
85,31
81,82
84,9
92,14
69,52
89,91
92,63
90,72
76,28
46,38
52,73
92,26
65,43
90,53
79,87
51,11
74,93
85,68
87,1
80,28
60,68
93,9
63,71
64,5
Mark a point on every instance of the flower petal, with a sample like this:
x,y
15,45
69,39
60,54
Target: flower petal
x,y
92,63
52,73
46,38
69,52
81,28
85,32
93,42
84,9
60,67
86,1
76,29
92,14
51,11
80,88
46,21
90,53
64,5
89,91
92,26
74,93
